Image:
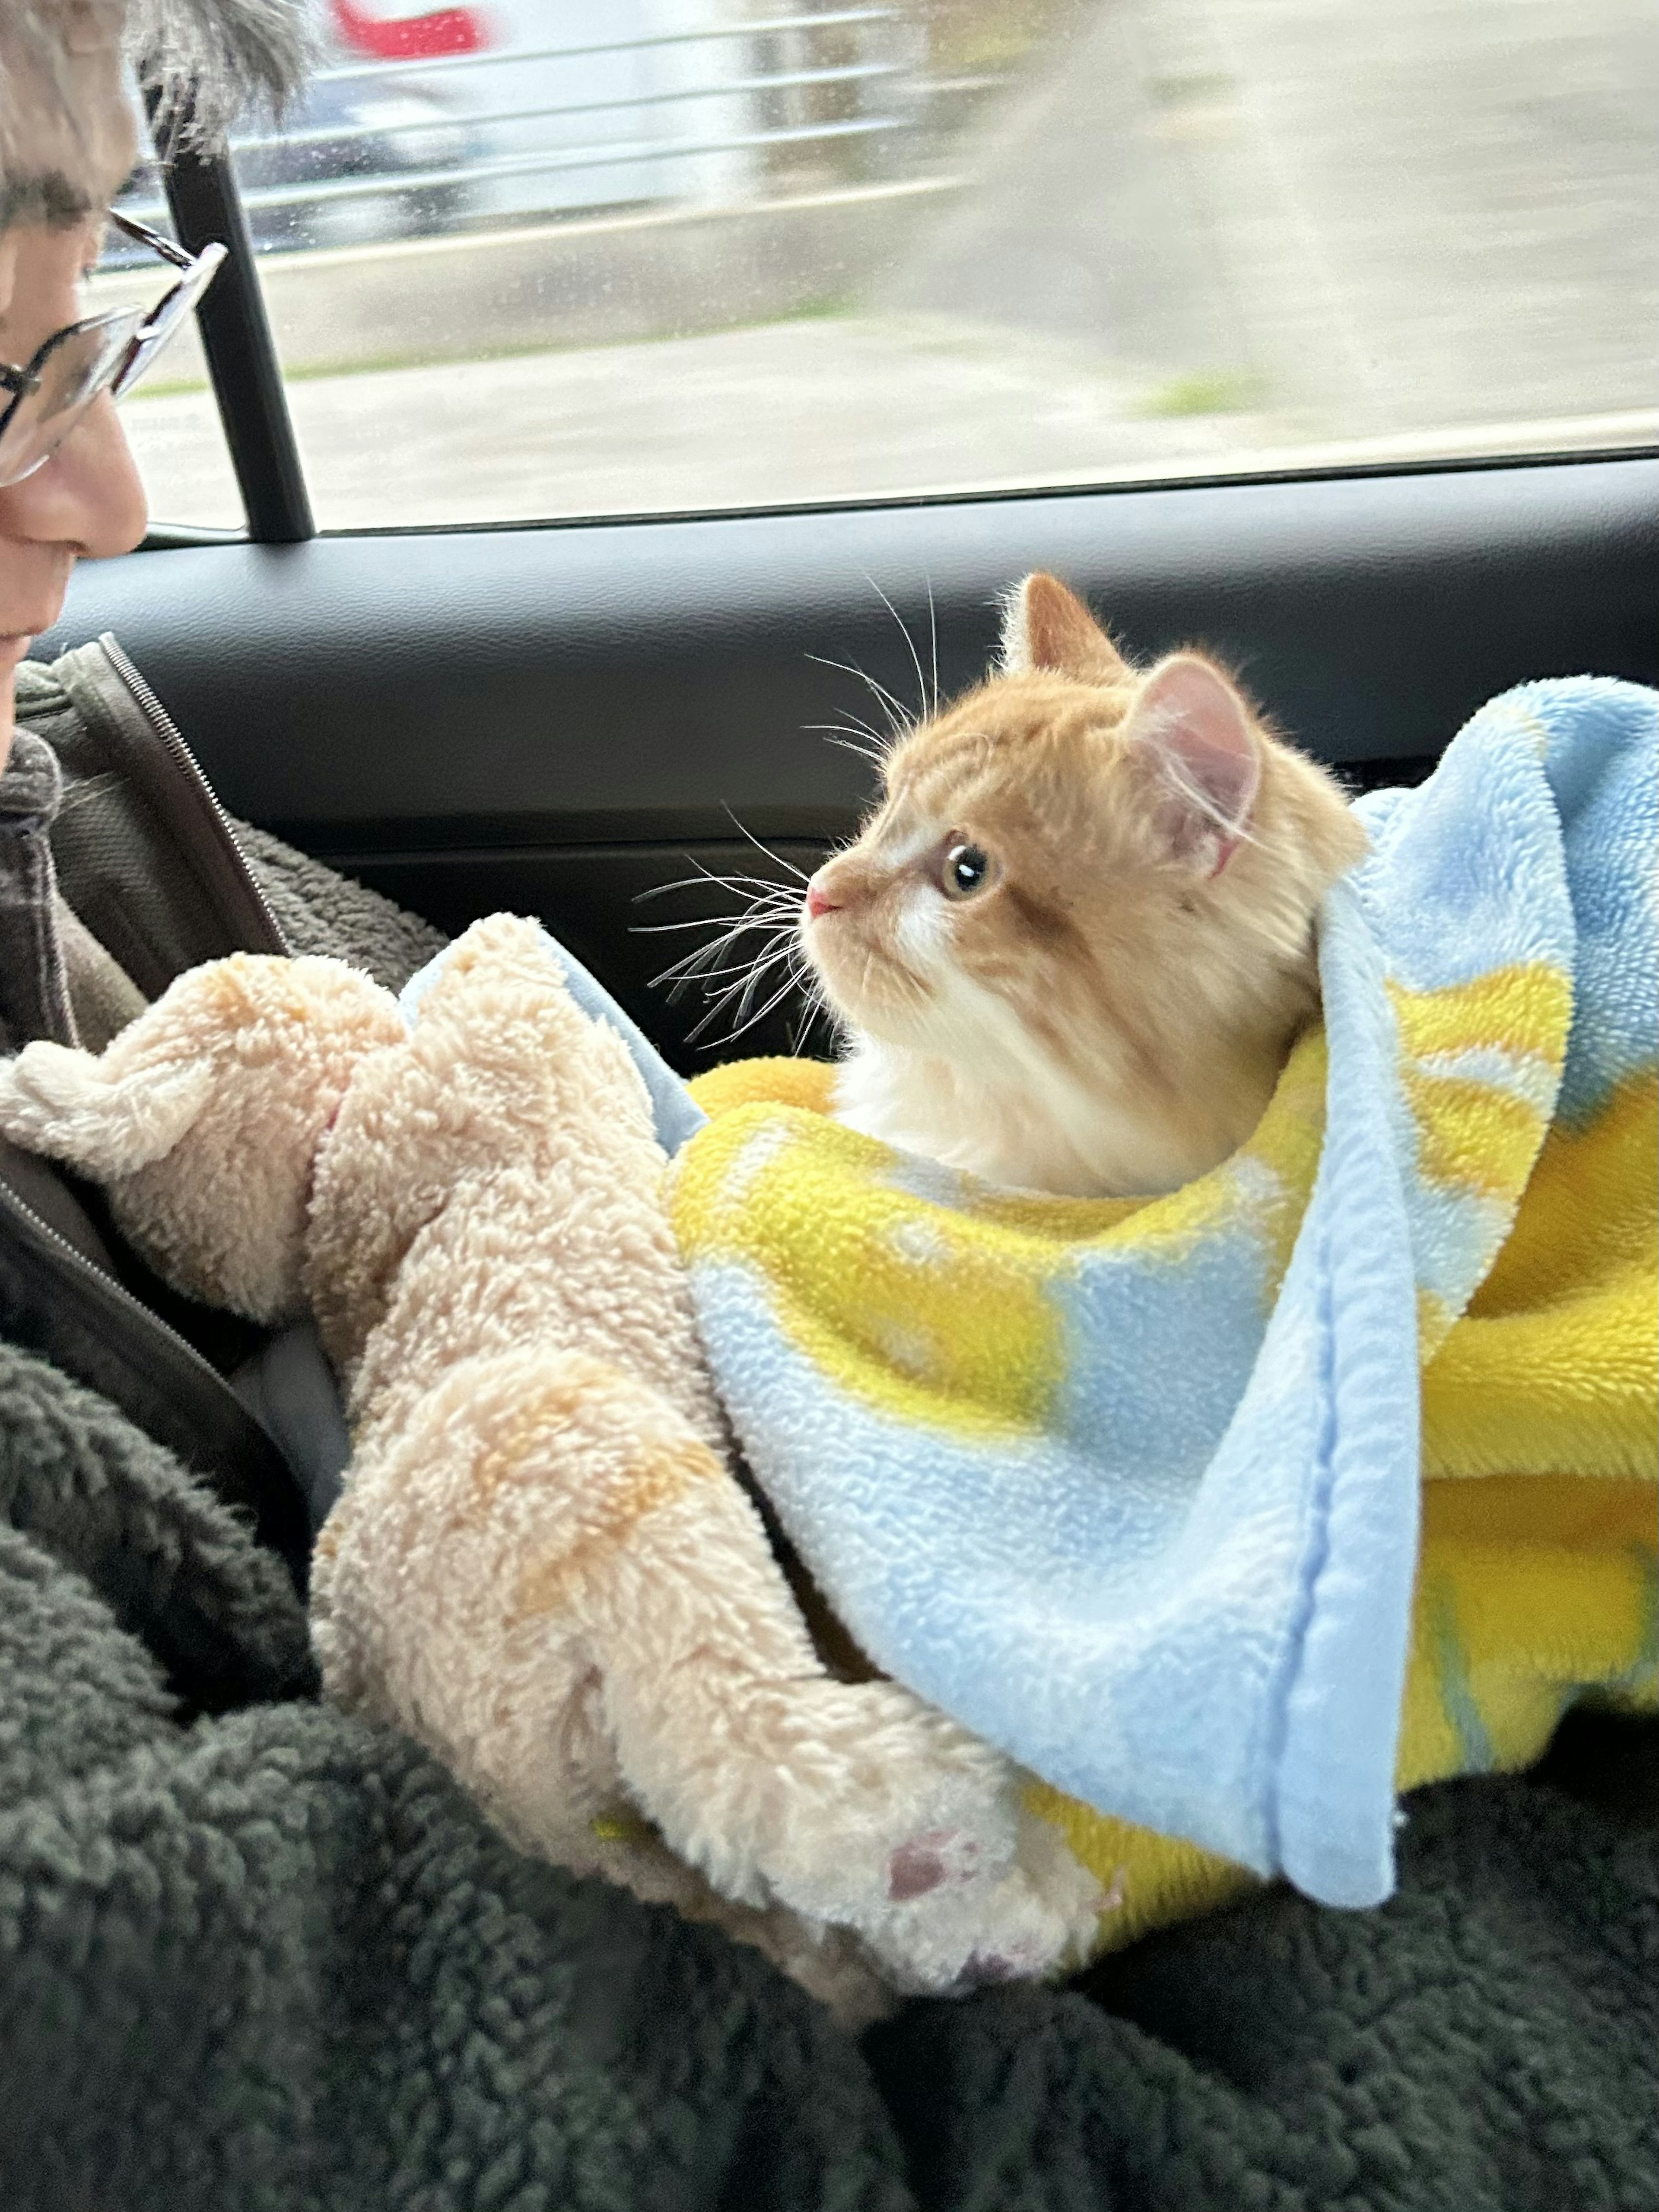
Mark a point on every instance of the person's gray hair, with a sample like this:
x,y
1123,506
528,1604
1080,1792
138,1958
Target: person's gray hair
x,y
208,59
198,63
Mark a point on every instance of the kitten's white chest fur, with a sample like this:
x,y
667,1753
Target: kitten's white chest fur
x,y
1050,1135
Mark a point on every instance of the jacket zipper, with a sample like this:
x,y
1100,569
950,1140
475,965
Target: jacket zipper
x,y
106,1286
167,731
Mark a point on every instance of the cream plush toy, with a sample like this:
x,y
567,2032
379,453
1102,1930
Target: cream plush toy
x,y
542,1565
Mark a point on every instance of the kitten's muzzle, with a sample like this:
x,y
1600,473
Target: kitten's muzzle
x,y
817,902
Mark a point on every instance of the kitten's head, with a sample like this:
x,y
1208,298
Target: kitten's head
x,y
1086,869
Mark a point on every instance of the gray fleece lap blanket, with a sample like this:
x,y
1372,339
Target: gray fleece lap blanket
x,y
253,1954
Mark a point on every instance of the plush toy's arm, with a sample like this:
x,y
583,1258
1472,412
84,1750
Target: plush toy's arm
x,y
201,1119
70,1107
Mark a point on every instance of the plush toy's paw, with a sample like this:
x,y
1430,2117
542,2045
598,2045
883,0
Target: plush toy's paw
x,y
203,1118
66,1103
843,1802
923,1851
945,1858
1023,1922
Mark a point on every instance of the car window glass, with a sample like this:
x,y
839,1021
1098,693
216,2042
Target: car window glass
x,y
529,260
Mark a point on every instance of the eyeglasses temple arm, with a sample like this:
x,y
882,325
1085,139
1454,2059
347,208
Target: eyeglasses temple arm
x,y
153,239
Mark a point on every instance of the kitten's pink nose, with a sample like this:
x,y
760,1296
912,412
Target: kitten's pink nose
x,y
817,904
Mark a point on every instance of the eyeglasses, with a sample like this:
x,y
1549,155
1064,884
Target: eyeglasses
x,y
105,353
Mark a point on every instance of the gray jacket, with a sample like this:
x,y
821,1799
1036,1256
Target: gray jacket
x,y
118,870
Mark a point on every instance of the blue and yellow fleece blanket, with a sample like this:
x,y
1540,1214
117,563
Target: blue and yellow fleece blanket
x,y
1229,1513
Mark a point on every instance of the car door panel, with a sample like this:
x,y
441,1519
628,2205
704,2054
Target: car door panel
x,y
552,718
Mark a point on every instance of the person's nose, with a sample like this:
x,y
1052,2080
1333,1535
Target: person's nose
x,y
87,496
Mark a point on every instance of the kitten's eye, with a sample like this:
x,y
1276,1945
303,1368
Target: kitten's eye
x,y
966,869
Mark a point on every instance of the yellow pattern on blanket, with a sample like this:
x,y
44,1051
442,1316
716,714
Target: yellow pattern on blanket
x,y
1536,1580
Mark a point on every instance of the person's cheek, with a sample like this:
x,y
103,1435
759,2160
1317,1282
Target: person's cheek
x,y
88,502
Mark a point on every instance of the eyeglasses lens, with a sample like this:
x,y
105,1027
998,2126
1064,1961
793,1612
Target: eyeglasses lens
x,y
112,353
72,376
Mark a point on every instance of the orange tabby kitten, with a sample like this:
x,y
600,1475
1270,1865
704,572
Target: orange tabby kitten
x,y
1074,943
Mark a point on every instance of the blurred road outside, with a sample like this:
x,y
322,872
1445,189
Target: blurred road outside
x,y
1114,238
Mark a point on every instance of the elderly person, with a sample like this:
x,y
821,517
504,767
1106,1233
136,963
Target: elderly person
x,y
254,1954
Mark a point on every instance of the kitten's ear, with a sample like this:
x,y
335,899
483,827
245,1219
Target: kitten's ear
x,y
1209,757
1046,626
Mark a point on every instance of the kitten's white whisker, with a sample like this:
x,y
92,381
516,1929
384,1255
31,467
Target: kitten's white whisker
x,y
802,1033
750,972
716,1009
776,857
801,1029
746,996
722,995
760,893
916,658
784,907
709,976
679,884
837,735
698,921
777,947
737,881
660,890
760,1013
696,966
781,947
784,951
770,922
897,720
854,724
932,633
791,983
814,1007
863,752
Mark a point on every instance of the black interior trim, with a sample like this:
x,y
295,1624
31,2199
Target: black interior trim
x,y
171,537
1109,487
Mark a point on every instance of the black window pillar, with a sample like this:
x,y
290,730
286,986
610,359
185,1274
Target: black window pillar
x,y
241,355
